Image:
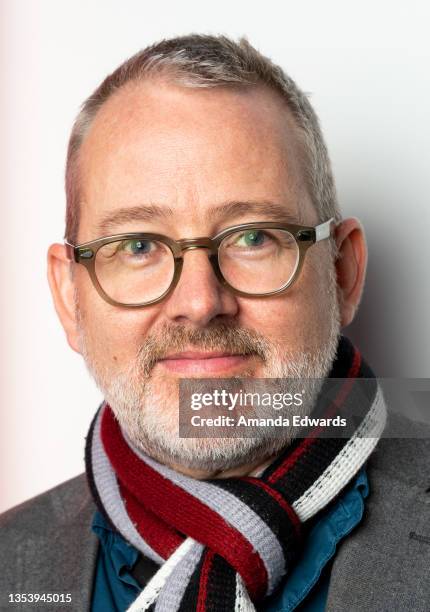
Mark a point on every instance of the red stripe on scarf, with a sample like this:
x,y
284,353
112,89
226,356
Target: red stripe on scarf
x,y
181,510
307,442
281,501
204,578
160,537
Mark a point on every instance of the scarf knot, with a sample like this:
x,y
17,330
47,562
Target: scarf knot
x,y
225,544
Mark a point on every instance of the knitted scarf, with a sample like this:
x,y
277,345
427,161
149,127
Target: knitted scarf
x,y
225,544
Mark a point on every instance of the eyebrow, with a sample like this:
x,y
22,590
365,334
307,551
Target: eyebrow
x,y
272,211
147,212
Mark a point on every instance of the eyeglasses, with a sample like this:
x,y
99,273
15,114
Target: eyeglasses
x,y
252,259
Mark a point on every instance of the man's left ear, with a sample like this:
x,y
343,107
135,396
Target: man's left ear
x,y
350,266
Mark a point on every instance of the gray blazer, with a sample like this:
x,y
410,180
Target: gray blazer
x,y
47,546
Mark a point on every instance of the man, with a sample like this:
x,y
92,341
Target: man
x,y
201,202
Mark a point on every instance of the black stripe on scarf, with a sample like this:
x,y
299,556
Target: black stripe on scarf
x,y
221,586
212,586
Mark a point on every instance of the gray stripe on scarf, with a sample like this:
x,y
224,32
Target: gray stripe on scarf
x,y
107,488
233,511
171,594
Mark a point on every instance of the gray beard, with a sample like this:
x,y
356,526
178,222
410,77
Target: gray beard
x,y
147,407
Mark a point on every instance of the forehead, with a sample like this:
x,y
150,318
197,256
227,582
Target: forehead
x,y
188,150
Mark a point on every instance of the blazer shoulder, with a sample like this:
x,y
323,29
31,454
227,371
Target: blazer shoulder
x,y
47,545
403,453
60,505
383,563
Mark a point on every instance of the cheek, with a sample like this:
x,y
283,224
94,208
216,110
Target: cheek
x,y
114,334
298,318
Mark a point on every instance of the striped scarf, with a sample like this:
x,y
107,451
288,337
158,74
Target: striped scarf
x,y
225,544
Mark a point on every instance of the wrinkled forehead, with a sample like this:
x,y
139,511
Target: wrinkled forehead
x,y
189,151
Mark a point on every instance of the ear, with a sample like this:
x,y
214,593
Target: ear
x,y
350,267
63,291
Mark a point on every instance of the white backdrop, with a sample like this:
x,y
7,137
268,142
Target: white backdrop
x,y
367,67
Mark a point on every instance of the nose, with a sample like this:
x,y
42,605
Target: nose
x,y
198,298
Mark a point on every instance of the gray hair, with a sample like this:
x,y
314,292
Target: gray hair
x,y
209,61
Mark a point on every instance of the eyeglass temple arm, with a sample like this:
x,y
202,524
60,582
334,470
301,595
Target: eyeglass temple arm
x,y
70,250
323,230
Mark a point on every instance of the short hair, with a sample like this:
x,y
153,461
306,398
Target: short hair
x,y
204,61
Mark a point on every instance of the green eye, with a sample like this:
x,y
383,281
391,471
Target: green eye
x,y
137,247
251,238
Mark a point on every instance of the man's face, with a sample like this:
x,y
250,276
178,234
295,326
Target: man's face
x,y
204,160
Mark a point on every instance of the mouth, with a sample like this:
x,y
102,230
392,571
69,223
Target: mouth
x,y
209,363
